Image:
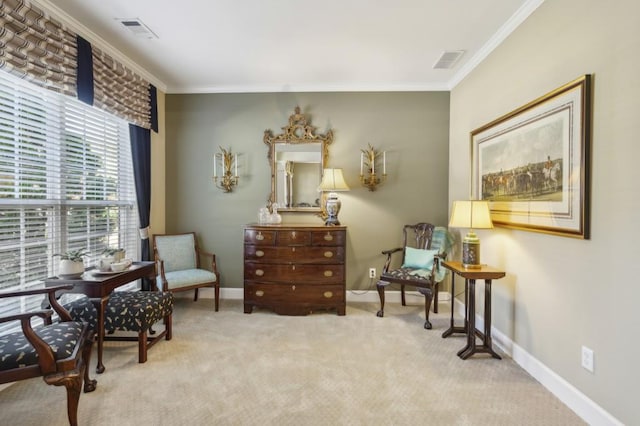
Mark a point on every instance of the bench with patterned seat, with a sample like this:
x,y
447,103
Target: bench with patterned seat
x,y
137,311
59,352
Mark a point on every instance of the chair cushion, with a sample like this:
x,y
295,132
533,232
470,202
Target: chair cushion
x,y
418,258
405,274
136,310
177,251
186,278
16,351
82,310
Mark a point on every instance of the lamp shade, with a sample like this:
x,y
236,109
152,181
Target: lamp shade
x,y
332,181
473,214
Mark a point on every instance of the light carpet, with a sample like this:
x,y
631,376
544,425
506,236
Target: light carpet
x,y
231,368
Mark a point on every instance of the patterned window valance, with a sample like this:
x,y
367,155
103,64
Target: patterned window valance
x,y
119,90
37,47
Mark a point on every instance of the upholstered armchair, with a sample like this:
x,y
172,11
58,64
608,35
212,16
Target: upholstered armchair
x,y
424,245
178,259
58,352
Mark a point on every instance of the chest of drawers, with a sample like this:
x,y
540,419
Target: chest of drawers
x,y
294,269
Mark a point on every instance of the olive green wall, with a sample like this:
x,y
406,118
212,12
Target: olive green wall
x,y
561,293
411,127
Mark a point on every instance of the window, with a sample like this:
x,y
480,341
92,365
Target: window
x,y
66,182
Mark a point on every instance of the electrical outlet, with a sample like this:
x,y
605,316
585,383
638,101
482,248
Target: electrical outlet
x,y
587,359
372,272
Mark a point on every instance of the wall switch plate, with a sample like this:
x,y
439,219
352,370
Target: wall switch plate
x,y
372,272
587,359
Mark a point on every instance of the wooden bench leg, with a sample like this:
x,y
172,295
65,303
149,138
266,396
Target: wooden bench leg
x,y
167,325
142,347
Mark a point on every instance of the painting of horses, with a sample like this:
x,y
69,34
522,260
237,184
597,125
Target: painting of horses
x,y
532,164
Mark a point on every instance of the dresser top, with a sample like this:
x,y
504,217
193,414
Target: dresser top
x,y
285,226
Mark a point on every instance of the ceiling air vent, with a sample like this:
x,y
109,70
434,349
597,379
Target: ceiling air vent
x,y
138,28
448,59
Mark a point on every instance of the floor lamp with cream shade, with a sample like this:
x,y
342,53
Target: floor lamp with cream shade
x,y
472,214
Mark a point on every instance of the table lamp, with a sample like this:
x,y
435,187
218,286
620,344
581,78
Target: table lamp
x,y
332,182
472,214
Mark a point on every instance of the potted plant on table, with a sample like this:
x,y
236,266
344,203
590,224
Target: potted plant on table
x,y
117,254
71,263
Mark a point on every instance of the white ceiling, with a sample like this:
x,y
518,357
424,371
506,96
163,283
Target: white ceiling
x,y
296,45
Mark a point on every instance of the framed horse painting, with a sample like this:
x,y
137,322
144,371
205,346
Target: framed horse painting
x,y
533,164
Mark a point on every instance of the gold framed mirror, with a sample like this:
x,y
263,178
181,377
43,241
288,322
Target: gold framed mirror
x,y
297,157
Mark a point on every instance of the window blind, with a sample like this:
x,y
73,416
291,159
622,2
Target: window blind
x,y
66,182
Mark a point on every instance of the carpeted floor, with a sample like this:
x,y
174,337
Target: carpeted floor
x,y
230,368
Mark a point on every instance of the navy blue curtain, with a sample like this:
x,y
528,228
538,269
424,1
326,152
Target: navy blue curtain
x,y
85,71
141,157
153,103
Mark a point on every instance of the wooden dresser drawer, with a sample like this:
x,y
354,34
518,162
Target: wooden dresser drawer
x,y
293,254
306,273
293,238
259,237
328,238
278,297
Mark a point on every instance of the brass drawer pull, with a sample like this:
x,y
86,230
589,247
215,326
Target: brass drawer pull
x,y
259,272
328,254
328,237
293,287
259,253
293,235
259,237
259,293
328,294
328,273
293,267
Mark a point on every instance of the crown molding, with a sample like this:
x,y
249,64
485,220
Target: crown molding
x,y
503,32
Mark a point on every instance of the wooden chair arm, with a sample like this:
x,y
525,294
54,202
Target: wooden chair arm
x,y
214,266
387,262
44,314
160,270
51,295
46,358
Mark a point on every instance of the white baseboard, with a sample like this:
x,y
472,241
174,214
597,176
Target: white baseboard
x,y
584,407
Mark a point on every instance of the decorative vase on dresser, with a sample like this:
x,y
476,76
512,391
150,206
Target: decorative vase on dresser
x,y
295,269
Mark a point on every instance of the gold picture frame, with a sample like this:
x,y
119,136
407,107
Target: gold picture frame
x,y
533,164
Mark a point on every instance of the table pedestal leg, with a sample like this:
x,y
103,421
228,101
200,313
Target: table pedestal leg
x,y
452,327
470,348
100,307
485,347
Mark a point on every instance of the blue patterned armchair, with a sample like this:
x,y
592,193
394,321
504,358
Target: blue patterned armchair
x,y
178,258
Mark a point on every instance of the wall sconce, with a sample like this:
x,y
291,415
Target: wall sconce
x,y
368,164
227,161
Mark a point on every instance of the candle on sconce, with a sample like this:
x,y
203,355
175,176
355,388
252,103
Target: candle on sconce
x,y
361,162
384,162
373,162
214,165
236,165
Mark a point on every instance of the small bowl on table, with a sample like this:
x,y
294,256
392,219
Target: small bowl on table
x,y
120,266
